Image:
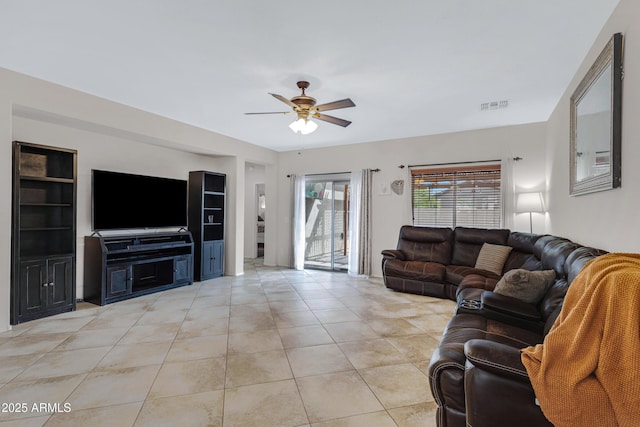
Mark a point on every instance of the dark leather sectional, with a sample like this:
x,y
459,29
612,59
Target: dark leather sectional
x,y
476,375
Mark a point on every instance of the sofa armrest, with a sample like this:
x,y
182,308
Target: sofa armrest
x,y
394,254
497,358
446,380
510,306
497,388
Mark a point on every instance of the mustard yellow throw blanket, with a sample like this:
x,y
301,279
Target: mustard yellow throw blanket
x,y
587,370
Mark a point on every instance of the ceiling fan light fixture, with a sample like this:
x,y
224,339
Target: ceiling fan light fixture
x,y
305,107
303,126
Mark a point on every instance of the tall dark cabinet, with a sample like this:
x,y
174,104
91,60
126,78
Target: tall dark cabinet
x,y
43,247
206,223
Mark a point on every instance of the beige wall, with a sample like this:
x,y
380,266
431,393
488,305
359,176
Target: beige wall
x,y
392,211
5,211
96,151
607,219
115,137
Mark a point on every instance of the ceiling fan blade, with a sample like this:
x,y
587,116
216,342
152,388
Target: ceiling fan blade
x,y
272,112
343,103
283,99
333,120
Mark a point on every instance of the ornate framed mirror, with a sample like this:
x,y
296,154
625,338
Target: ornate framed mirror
x,y
596,124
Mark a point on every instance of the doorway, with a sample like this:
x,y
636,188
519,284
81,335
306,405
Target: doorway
x,y
327,223
261,209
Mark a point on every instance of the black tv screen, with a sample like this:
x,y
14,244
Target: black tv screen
x,y
125,201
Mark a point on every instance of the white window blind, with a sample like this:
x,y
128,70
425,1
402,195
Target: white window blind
x,y
457,196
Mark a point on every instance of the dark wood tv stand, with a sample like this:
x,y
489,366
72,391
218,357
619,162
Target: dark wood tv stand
x,y
126,266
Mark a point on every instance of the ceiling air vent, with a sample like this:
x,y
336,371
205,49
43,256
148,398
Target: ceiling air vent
x,y
494,105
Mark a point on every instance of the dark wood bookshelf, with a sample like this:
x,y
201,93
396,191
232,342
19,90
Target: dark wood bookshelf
x,y
206,222
43,252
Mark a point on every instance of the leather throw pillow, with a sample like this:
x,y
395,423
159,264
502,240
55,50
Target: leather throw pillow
x,y
528,286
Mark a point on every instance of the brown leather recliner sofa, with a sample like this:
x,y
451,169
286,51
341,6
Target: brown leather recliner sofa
x,y
435,261
475,374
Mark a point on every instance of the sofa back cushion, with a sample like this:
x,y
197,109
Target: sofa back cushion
x,y
553,298
577,260
522,255
543,241
555,254
426,243
468,242
573,264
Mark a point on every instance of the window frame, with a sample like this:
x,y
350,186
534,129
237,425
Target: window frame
x,y
453,177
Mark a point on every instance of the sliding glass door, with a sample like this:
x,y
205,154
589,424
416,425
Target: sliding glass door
x,y
327,222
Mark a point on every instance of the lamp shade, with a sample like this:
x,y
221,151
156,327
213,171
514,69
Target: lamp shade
x,y
529,202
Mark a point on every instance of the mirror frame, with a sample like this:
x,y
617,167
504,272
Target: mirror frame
x,y
610,55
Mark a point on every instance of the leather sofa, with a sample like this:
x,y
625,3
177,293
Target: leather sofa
x,y
435,261
475,373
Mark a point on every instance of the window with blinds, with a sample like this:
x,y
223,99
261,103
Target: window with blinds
x,y
457,196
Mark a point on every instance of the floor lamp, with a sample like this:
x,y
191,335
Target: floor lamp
x,y
529,202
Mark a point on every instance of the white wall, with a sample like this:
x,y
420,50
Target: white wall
x,y
112,136
5,211
392,211
117,137
608,219
96,151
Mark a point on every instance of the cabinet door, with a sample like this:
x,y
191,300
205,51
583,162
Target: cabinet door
x,y
183,269
218,258
208,260
119,279
60,288
32,287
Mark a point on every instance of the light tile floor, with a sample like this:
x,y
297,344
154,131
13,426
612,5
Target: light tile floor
x,y
274,347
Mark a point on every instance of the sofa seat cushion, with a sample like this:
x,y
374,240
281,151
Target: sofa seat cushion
x,y
463,327
472,286
456,273
480,281
415,270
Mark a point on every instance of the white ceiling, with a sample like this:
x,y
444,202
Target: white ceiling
x,y
412,67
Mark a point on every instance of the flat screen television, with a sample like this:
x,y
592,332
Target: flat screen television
x,y
127,201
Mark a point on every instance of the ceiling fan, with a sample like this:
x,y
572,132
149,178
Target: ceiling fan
x,y
305,107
